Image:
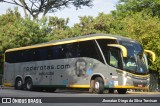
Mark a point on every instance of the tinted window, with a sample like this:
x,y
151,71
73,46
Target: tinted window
x,y
42,53
89,49
73,50
24,56
114,58
104,42
9,57
132,48
103,45
54,52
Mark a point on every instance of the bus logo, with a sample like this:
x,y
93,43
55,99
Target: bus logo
x,y
6,100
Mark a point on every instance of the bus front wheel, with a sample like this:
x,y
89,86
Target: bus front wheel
x,y
98,85
18,84
29,84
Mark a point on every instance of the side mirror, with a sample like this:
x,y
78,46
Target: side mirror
x,y
151,53
123,49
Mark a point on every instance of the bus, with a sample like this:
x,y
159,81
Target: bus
x,y
96,62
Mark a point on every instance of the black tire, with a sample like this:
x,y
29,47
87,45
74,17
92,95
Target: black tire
x,y
98,85
29,84
91,90
122,91
38,89
111,90
18,84
50,89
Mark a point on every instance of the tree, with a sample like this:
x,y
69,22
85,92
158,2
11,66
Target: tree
x,y
128,7
89,25
85,26
59,28
17,32
139,19
58,23
35,7
103,23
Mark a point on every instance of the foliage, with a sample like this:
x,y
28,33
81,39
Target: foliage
x,y
35,7
146,30
139,19
128,7
87,25
16,31
58,28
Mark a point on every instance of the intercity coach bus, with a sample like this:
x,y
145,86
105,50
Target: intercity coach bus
x,y
96,62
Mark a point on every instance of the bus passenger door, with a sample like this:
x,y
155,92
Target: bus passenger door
x,y
114,59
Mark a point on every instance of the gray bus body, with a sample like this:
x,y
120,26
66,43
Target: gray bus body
x,y
80,62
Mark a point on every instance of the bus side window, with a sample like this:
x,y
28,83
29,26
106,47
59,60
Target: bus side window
x,y
11,57
55,52
70,50
62,53
24,55
115,58
42,53
17,56
32,55
113,61
89,49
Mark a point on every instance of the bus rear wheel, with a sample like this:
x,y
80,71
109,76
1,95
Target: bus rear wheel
x,y
122,91
18,84
50,89
29,84
98,85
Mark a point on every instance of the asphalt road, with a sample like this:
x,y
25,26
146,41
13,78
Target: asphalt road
x,y
11,92
65,94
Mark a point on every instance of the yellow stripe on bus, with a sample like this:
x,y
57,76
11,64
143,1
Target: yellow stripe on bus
x,y
8,84
61,42
131,87
79,86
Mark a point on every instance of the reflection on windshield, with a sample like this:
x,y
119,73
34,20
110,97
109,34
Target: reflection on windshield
x,y
142,68
130,64
134,62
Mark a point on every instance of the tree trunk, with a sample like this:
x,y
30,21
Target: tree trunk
x,y
24,9
34,16
153,81
159,81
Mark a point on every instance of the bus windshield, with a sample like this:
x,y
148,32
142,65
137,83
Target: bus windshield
x,y
135,61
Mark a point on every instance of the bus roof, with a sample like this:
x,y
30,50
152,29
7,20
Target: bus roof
x,y
72,40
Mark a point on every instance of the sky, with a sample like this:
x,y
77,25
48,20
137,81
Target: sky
x,y
105,6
